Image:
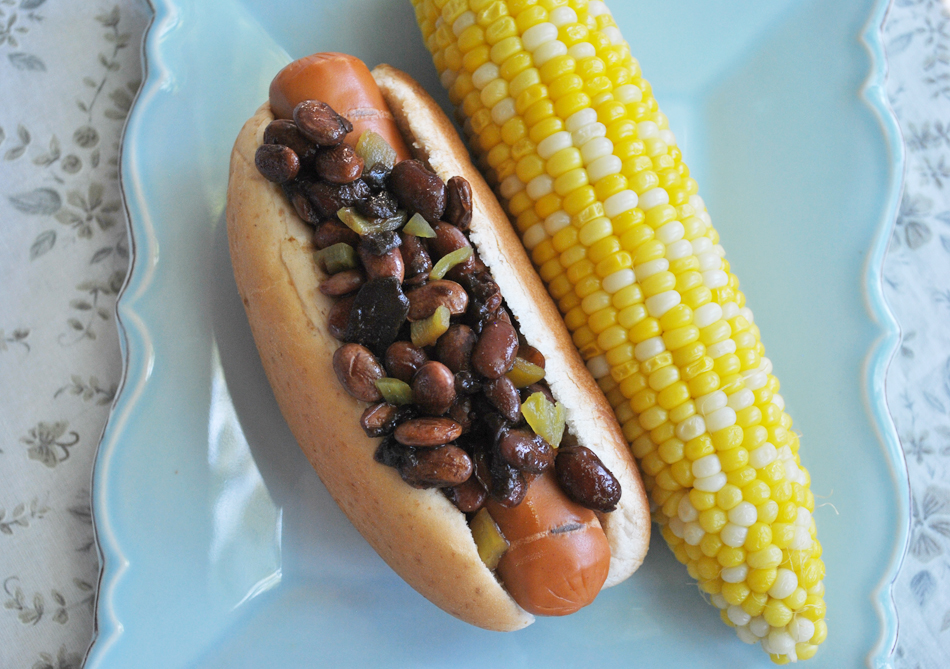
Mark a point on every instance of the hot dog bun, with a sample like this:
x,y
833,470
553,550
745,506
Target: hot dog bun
x,y
419,533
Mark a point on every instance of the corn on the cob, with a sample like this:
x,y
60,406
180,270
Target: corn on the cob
x,y
567,131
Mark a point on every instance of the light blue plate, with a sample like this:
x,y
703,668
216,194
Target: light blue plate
x,y
220,546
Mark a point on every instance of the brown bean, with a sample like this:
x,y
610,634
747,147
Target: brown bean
x,y
329,198
320,124
358,370
458,208
388,264
276,162
436,467
433,388
585,479
427,432
531,354
381,419
339,317
454,348
539,387
418,189
503,395
378,205
333,232
526,451
423,301
391,453
343,282
466,382
415,257
302,205
495,351
461,412
508,485
379,243
338,164
403,360
448,238
468,497
284,131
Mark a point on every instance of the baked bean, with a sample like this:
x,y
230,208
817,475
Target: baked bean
x,y
436,467
380,242
468,497
466,382
284,131
376,176
332,232
329,198
448,238
461,412
338,164
416,259
320,124
302,205
391,453
358,370
585,479
531,354
403,360
377,205
433,388
484,297
339,317
378,312
418,189
495,351
539,387
387,264
454,348
343,282
458,208
423,301
525,450
503,395
381,419
276,162
508,485
427,432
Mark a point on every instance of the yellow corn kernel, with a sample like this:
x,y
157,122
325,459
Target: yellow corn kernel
x,y
713,520
760,580
731,557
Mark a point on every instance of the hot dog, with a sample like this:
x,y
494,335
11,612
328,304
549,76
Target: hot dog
x,y
560,553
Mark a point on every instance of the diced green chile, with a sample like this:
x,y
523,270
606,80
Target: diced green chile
x,y
337,258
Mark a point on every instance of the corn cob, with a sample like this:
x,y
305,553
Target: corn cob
x,y
568,132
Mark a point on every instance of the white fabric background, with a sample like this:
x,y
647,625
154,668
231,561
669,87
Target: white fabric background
x,y
68,72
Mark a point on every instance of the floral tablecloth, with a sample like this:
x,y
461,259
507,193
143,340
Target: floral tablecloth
x,y
69,71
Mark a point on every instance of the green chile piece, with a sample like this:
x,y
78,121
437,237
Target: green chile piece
x,y
450,260
427,331
394,391
374,150
545,418
368,226
337,258
419,227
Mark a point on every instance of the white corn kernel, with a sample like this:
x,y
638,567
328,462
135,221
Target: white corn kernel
x,y
706,404
803,540
715,278
613,34
709,261
707,314
653,198
719,601
721,348
762,456
503,111
746,313
741,399
735,574
744,514
801,629
693,533
556,222
668,137
676,527
534,235
595,148
579,119
623,201
448,78
659,304
701,245
730,310
618,280
759,627
648,348
604,167
596,8
484,75
732,534
712,483
462,22
679,249
586,133
538,34
803,519
540,186
670,232
554,143
708,465
582,50
778,401
697,203
737,614
628,93
651,267
647,129
785,583
561,16
720,420
511,186
686,511
598,366
765,365
745,635
754,379
547,51
781,642
690,428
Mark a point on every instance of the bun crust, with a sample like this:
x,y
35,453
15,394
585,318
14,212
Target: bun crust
x,y
419,533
